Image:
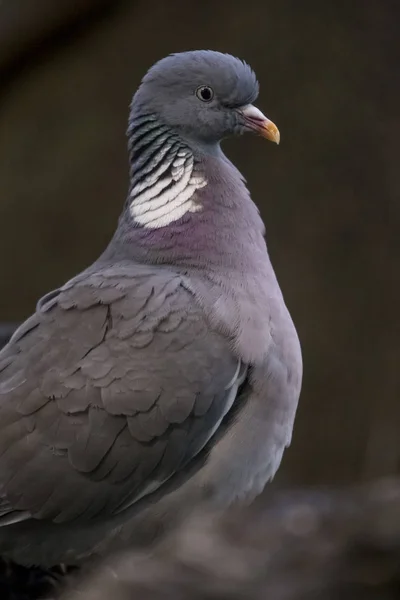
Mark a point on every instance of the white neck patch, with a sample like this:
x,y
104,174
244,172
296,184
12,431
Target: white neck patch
x,y
166,194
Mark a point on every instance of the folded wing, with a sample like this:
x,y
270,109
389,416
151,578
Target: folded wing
x,y
111,387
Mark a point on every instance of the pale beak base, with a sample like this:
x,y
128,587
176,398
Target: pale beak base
x,y
256,121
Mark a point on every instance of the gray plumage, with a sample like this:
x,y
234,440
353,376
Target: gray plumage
x,y
169,371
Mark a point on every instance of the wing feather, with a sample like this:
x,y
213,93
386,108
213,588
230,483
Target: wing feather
x,y
112,386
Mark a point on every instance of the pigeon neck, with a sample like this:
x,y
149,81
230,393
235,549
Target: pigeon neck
x,y
227,232
164,175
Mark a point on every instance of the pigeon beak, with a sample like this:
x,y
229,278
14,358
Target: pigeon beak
x,y
256,121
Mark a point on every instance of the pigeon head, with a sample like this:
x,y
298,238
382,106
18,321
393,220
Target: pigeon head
x,y
203,96
184,106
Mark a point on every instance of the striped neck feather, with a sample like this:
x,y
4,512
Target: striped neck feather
x,y
164,174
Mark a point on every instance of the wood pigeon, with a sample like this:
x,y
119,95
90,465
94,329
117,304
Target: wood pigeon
x,y
171,366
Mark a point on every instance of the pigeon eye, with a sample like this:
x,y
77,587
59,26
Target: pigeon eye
x,y
205,93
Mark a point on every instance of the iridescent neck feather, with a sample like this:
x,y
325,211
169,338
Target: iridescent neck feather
x,y
164,174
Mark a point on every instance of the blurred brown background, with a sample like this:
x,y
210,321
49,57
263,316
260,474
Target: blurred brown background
x,y
329,74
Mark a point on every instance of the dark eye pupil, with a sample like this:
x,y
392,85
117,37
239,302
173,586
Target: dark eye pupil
x,y
206,93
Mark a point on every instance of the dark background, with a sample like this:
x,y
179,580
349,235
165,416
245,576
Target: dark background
x,y
330,194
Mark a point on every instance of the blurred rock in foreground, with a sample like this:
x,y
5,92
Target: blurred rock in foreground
x,y
301,545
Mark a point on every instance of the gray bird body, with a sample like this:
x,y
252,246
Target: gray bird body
x,y
166,374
